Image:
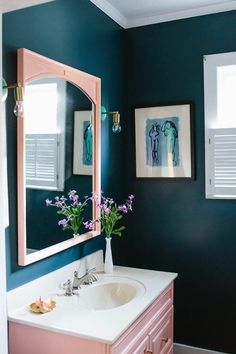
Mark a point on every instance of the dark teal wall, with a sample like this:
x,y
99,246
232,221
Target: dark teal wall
x,y
173,227
77,33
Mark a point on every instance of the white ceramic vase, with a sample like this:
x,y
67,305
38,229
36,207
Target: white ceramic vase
x,y
108,265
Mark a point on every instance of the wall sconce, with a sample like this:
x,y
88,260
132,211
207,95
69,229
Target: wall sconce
x,y
18,94
116,128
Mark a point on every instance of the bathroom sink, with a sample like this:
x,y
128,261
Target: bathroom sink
x,y
110,292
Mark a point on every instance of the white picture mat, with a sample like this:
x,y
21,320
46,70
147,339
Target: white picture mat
x,y
159,112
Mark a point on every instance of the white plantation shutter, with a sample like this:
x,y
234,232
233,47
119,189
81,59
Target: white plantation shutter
x,y
42,163
221,163
220,125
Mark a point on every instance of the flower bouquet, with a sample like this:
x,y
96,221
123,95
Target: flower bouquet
x,y
110,214
72,209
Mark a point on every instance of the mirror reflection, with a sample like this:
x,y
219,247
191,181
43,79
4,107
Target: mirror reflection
x,y
58,157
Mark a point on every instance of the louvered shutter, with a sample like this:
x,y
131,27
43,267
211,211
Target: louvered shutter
x,y
42,161
221,163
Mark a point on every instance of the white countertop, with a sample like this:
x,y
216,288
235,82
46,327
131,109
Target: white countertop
x,y
104,325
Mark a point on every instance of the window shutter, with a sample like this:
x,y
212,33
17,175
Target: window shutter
x,y
42,161
221,163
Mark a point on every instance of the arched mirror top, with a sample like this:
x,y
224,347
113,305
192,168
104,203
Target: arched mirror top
x,y
33,66
82,99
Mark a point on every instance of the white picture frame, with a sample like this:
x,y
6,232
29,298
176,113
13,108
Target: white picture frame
x,y
164,144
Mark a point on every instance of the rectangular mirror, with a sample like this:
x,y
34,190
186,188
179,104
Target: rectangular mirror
x,y
58,141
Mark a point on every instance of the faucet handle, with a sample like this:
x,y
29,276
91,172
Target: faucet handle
x,y
67,286
91,276
92,270
94,277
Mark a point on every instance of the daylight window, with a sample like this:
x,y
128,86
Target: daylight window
x,y
220,125
44,107
40,107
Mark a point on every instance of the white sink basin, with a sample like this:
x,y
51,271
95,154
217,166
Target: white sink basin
x,y
110,292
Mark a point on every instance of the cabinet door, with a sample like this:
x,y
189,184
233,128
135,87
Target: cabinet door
x,y
161,336
171,350
132,347
141,347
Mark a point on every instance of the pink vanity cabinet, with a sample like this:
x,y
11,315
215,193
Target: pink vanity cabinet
x,y
150,333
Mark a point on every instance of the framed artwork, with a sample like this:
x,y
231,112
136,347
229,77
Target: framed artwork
x,y
83,143
164,142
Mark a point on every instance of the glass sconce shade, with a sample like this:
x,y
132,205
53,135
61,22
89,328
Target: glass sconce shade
x,y
18,94
116,127
19,109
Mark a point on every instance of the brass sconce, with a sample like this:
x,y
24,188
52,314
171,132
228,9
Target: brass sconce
x,y
18,94
116,128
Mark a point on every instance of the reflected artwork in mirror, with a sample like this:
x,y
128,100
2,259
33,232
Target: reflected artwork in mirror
x,y
58,152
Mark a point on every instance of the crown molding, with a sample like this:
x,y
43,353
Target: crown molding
x,y
200,11
112,12
7,6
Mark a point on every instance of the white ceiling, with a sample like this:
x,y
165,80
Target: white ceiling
x,y
11,5
134,13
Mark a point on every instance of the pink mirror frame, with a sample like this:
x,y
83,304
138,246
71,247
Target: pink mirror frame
x,y
32,66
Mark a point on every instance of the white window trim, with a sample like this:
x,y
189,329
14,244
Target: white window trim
x,y
211,63
60,184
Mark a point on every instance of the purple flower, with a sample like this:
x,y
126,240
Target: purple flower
x,y
123,208
129,202
62,198
72,192
59,204
63,223
88,225
48,202
73,196
105,208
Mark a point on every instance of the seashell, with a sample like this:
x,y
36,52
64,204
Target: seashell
x,y
40,306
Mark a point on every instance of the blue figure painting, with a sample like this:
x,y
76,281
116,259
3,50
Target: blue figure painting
x,y
87,143
154,141
170,131
161,135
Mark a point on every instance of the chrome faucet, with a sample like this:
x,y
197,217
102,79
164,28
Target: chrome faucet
x,y
88,278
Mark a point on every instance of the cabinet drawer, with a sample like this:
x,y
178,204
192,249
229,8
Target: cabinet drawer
x,y
161,335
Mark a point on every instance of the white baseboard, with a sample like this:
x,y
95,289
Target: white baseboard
x,y
185,349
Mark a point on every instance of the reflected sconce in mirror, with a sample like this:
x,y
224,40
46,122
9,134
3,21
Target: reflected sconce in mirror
x,y
116,127
18,95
